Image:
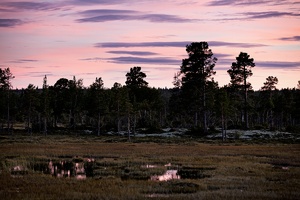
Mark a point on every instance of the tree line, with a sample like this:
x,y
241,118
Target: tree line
x,y
195,102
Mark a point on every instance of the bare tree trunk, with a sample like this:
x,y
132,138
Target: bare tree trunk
x,y
55,121
8,114
134,124
204,106
128,126
272,120
45,126
74,111
12,126
45,93
119,120
2,123
165,115
99,124
29,118
40,122
245,101
223,126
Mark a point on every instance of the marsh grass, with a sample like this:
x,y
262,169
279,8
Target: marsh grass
x,y
211,170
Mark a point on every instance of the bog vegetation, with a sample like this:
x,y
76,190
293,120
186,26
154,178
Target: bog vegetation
x,y
107,167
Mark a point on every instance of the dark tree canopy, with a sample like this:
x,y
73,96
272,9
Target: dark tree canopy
x,y
241,70
196,102
196,71
270,83
198,67
98,84
239,73
135,78
5,78
61,83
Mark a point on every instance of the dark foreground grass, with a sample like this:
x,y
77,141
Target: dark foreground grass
x,y
208,170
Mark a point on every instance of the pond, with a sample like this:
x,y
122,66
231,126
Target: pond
x,y
83,168
171,174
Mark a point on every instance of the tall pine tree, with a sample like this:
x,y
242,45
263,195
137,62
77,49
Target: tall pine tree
x,y
196,72
239,73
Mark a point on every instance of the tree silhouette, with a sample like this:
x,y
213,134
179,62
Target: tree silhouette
x,y
197,69
46,104
98,102
31,103
60,98
177,80
136,83
5,86
135,78
270,83
120,102
75,89
197,97
222,108
5,79
239,73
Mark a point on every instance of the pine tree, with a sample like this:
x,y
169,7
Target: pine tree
x,y
196,72
97,101
239,73
5,85
135,78
45,102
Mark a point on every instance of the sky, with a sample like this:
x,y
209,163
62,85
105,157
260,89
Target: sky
x,y
105,38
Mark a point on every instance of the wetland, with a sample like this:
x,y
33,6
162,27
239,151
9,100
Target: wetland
x,y
109,167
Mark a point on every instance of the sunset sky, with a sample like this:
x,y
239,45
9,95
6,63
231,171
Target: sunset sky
x,y
105,38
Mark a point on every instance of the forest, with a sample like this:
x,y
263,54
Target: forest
x,y
196,101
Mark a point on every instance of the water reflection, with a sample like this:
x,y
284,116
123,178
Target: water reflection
x,y
79,169
18,171
82,168
168,175
148,166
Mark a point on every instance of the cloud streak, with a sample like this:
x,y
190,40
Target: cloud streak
x,y
269,14
258,15
139,60
171,44
24,61
244,2
135,53
262,64
293,38
96,2
100,12
278,65
27,5
95,59
5,23
38,74
105,15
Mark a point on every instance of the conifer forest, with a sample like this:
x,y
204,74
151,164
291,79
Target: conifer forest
x,y
196,101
